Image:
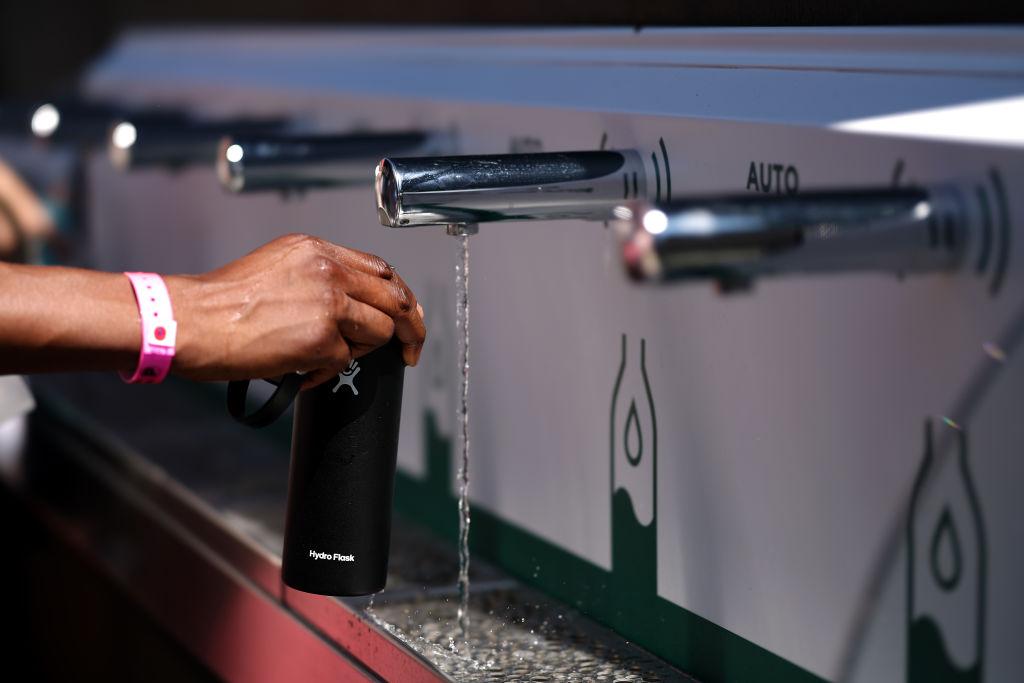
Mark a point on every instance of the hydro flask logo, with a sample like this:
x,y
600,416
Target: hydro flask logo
x,y
335,557
946,569
347,378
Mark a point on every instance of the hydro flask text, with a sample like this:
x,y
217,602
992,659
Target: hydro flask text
x,y
331,556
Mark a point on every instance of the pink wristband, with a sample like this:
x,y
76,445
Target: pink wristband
x,y
159,329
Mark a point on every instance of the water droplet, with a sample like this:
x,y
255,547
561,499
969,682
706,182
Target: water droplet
x,y
632,438
946,559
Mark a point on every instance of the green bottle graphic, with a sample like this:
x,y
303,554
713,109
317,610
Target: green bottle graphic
x,y
946,568
634,468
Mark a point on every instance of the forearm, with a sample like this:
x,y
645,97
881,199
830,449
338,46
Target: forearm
x,y
295,304
65,319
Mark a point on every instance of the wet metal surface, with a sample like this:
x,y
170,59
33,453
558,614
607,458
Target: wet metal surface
x,y
516,634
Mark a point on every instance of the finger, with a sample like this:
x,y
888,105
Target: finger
x,y
410,328
342,359
396,300
334,361
364,327
362,261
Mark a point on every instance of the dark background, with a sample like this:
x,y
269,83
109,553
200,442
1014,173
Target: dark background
x,y
45,43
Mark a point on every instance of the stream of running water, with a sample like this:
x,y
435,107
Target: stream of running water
x,y
462,322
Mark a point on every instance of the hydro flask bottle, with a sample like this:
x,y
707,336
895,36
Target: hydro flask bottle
x,y
341,481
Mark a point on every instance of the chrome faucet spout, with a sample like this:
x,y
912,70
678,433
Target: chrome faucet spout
x,y
506,187
140,142
302,162
735,239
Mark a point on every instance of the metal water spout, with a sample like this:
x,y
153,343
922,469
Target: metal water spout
x,y
288,163
139,141
737,239
468,190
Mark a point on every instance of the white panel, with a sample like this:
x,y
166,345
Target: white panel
x,y
789,418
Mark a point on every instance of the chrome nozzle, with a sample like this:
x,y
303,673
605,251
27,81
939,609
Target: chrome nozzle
x,y
506,187
736,239
138,142
301,162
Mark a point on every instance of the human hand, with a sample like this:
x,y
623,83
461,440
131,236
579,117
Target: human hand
x,y
295,304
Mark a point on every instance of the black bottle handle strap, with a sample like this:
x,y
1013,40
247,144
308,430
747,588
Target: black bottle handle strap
x,y
287,390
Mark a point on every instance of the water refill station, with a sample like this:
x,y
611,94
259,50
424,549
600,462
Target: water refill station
x,y
704,443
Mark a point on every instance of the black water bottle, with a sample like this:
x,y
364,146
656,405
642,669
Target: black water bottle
x,y
342,478
341,481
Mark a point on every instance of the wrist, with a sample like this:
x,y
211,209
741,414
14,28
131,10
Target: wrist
x,y
182,291
199,308
121,336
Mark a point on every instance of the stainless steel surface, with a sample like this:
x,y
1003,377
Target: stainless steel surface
x,y
506,187
516,635
736,239
70,121
247,163
140,142
220,488
80,122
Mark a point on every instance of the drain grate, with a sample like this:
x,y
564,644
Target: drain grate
x,y
515,635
